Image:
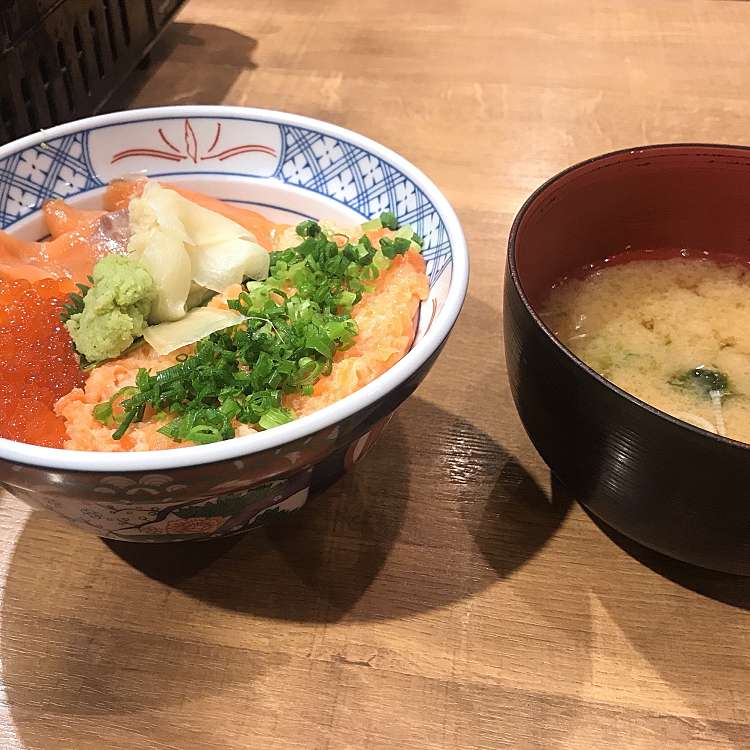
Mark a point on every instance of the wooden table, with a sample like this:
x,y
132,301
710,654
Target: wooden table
x,y
443,596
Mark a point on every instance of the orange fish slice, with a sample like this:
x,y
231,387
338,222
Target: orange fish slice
x,y
62,218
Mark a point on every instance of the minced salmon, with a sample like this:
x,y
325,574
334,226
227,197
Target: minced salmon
x,y
385,316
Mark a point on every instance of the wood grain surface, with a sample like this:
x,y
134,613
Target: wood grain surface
x,y
445,595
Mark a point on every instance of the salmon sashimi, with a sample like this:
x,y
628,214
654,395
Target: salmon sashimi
x,y
61,217
22,259
70,255
14,270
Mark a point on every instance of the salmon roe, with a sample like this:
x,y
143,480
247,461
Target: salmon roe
x,y
39,363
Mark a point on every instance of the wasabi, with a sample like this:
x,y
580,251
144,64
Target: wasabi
x,y
115,309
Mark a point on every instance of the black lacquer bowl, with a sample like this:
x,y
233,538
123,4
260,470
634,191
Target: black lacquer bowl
x,y
672,487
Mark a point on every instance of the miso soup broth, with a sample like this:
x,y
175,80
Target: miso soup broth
x,y
675,332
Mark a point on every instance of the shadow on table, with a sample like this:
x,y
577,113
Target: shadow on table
x,y
696,645
723,587
195,75
691,650
318,565
519,510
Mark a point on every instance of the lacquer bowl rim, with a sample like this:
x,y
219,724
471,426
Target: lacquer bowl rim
x,y
624,154
420,353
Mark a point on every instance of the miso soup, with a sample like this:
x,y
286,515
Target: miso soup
x,y
674,332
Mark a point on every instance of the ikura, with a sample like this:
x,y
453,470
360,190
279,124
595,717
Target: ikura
x,y
44,366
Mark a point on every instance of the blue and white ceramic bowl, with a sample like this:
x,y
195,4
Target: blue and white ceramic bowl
x,y
291,168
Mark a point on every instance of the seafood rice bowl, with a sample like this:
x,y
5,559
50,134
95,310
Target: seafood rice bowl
x,y
211,312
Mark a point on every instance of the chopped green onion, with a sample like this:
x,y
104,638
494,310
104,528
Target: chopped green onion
x,y
388,220
274,418
393,247
74,304
408,233
103,413
240,375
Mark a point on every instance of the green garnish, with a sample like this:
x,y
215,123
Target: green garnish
x,y
74,306
703,381
707,383
75,303
103,413
393,247
296,322
388,220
